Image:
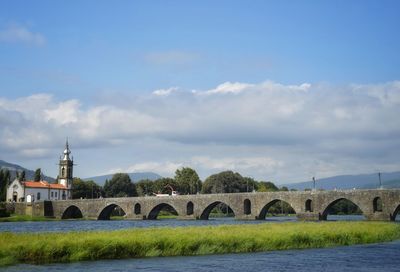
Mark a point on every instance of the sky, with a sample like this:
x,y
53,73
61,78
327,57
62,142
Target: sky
x,y
275,90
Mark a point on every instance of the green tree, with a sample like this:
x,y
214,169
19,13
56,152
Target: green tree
x,y
120,186
224,182
251,184
187,180
21,176
145,187
38,175
284,188
85,189
3,186
267,186
164,185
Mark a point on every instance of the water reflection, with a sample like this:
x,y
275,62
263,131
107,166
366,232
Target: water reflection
x,y
355,217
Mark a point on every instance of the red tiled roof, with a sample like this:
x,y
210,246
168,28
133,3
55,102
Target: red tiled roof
x,y
43,184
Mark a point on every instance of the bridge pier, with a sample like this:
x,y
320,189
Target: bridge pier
x,y
378,216
308,216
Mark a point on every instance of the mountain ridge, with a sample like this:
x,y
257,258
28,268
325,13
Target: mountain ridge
x,y
135,176
29,174
360,181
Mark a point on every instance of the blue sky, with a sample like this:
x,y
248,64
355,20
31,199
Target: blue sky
x,y
166,65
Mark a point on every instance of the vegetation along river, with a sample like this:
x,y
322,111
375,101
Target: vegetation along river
x,y
371,257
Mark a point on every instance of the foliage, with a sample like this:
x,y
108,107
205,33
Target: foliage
x,y
22,218
344,206
267,186
145,187
151,242
187,180
21,176
86,189
38,175
161,185
280,207
224,182
120,185
5,177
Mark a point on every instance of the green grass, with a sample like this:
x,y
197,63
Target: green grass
x,y
151,242
169,216
20,218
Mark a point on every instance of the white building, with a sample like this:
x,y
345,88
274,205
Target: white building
x,y
30,191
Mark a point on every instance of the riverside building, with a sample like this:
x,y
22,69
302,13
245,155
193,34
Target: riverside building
x,y
30,191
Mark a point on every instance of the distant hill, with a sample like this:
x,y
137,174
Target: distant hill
x,y
29,174
363,181
100,180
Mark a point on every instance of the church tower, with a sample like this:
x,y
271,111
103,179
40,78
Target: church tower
x,y
65,168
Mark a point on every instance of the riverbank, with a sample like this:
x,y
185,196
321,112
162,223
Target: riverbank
x,y
151,242
23,218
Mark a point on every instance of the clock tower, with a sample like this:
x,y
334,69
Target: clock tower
x,y
65,168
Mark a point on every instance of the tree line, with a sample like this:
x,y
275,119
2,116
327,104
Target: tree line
x,y
186,181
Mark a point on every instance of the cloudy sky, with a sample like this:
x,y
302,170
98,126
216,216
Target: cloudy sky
x,y
279,91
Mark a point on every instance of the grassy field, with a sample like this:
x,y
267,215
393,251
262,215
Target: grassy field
x,y
20,218
150,242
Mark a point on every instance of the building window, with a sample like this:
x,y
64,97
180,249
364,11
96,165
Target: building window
x,y
56,194
52,194
62,172
38,196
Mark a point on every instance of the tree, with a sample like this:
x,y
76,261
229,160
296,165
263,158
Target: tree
x,y
163,185
21,176
38,175
85,189
145,187
3,186
224,182
284,188
267,186
251,184
187,180
120,186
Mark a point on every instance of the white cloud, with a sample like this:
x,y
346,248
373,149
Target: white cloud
x,y
163,168
20,34
229,87
266,130
165,92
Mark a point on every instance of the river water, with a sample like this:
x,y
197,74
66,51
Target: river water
x,y
373,257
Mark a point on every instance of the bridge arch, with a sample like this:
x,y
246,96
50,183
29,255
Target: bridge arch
x,y
309,205
377,204
72,212
395,213
247,206
206,212
156,210
189,208
106,212
264,210
327,210
137,209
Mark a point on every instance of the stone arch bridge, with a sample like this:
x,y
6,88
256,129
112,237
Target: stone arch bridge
x,y
379,204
